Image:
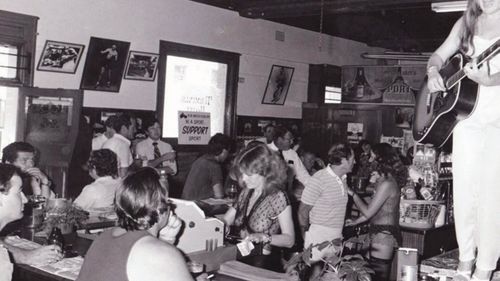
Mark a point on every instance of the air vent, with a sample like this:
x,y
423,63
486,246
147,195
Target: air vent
x,y
280,36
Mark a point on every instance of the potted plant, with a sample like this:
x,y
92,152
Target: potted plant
x,y
337,267
66,217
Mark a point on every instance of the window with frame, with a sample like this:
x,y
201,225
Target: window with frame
x,y
17,48
196,79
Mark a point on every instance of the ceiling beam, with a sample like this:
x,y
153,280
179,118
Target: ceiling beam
x,y
273,9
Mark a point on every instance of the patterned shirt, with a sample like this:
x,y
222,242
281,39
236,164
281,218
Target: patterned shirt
x,y
263,217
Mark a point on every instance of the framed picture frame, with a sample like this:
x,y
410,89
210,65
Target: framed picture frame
x,y
141,66
278,84
60,57
104,65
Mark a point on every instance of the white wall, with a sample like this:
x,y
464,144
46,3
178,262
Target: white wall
x,y
145,22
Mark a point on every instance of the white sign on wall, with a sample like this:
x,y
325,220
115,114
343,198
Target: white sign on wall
x,y
194,127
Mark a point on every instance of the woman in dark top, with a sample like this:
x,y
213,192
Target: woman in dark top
x,y
262,213
132,251
383,210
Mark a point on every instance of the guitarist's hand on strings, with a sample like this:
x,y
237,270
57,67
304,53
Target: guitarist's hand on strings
x,y
435,82
478,75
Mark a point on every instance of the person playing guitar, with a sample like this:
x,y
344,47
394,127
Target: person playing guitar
x,y
476,140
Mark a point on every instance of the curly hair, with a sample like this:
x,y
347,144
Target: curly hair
x,y
389,163
105,162
7,171
259,159
140,200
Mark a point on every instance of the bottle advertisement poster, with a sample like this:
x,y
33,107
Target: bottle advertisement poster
x,y
397,84
194,127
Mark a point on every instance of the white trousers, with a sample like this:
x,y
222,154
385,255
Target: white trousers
x,y
476,191
318,234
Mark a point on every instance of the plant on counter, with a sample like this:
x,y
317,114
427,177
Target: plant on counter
x,y
337,267
69,215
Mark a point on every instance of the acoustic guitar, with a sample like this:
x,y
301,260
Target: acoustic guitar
x,y
437,114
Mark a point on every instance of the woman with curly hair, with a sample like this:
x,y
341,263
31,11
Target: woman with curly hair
x,y
132,250
383,210
262,213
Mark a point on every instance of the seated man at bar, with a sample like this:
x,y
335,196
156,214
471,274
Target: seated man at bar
x,y
100,194
262,213
324,200
119,143
205,177
158,153
132,250
12,202
22,155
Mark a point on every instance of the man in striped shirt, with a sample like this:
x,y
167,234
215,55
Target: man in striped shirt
x,y
324,200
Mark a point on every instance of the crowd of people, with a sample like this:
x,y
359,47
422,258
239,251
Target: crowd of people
x,y
288,197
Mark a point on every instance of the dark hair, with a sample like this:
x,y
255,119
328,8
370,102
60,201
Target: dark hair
x,y
270,125
389,162
140,200
339,151
218,143
104,162
122,120
7,171
109,122
149,122
10,151
259,159
280,131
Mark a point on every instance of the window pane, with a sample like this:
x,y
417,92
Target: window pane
x,y
333,94
8,57
194,85
8,115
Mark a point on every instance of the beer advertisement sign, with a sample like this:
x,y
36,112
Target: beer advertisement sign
x,y
396,84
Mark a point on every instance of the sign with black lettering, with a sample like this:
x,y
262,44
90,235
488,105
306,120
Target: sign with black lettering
x,y
194,127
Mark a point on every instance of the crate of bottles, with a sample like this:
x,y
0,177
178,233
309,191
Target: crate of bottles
x,y
420,214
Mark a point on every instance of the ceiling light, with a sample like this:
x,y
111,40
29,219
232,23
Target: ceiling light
x,y
450,6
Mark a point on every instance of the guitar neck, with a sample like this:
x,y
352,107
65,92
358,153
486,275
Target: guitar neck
x,y
482,58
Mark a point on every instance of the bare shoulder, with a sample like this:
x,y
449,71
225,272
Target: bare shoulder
x,y
152,259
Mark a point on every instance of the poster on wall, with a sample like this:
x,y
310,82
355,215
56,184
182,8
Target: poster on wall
x,y
104,65
354,132
376,84
194,127
60,57
277,85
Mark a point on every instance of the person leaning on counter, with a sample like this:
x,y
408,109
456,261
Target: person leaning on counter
x,y
12,202
132,251
22,155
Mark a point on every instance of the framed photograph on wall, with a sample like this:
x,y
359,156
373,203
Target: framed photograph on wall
x,y
104,65
60,57
277,85
141,66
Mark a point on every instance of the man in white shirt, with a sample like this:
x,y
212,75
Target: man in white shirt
x,y
100,194
99,140
120,143
282,142
158,153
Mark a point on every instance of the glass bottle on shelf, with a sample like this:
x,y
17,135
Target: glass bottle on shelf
x,y
164,178
359,87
